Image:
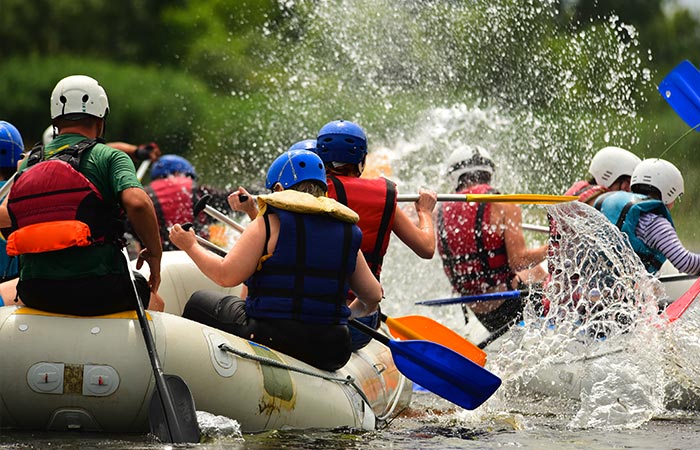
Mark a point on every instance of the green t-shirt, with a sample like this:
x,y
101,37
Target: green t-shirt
x,y
111,171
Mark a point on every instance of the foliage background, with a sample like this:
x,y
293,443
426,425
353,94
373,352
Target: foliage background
x,y
229,84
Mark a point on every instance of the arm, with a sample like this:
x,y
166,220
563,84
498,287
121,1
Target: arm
x,y
248,206
657,232
420,238
510,218
138,153
238,265
142,216
366,287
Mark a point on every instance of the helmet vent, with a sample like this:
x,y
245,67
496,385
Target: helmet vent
x,y
302,164
63,99
85,98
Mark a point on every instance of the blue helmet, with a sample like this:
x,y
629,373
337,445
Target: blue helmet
x,y
170,164
293,167
306,144
11,145
342,141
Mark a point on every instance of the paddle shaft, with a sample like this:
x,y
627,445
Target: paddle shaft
x,y
5,189
175,432
215,213
496,198
489,297
143,168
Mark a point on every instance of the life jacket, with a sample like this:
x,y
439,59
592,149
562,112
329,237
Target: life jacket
x,y
173,201
473,252
307,276
624,210
53,206
585,191
375,201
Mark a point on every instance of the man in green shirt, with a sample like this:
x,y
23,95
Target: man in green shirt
x,y
84,279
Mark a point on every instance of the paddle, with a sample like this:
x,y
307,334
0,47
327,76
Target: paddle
x,y
196,210
491,296
679,90
426,329
171,414
5,189
682,303
438,369
143,168
541,199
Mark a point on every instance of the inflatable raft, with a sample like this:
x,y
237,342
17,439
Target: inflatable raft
x,y
93,373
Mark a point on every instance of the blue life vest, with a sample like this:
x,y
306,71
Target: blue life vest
x,y
306,277
624,209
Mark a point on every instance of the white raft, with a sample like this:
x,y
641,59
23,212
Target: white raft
x,y
572,374
93,373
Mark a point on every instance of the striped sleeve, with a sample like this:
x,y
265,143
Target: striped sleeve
x,y
658,233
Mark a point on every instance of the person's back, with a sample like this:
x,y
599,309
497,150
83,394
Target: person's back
x,y
644,216
172,191
298,259
73,251
482,245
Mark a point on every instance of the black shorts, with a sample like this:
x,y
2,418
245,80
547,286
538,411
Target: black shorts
x,y
91,296
324,346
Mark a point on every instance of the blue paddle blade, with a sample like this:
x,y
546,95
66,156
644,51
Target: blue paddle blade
x,y
444,372
680,88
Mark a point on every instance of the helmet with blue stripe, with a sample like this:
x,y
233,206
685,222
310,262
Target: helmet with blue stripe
x,y
171,164
293,167
342,141
11,145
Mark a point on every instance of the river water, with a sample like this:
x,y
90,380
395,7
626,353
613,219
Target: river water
x,y
534,108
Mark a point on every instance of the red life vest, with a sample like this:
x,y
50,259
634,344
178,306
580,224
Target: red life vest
x,y
374,200
586,191
173,202
52,206
473,252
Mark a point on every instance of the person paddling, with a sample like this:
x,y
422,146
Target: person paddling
x,y
342,145
64,213
482,245
644,215
298,259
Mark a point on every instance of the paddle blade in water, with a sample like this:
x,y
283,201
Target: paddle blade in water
x,y
420,327
183,428
444,372
680,88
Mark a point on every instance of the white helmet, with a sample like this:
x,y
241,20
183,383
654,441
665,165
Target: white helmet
x,y
48,135
79,94
610,163
661,174
469,158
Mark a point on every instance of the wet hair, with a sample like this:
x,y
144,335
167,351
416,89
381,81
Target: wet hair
x,y
313,187
646,189
472,178
71,119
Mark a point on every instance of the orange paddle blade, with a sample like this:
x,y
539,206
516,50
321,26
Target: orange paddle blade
x,y
426,329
